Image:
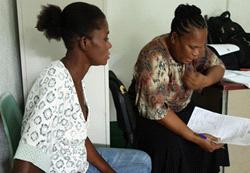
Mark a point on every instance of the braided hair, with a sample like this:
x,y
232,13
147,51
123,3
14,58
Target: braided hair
x,y
77,19
187,16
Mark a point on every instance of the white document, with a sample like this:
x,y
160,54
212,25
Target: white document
x,y
242,77
231,129
223,49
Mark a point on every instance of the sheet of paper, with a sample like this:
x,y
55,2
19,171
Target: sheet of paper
x,y
242,77
231,129
223,49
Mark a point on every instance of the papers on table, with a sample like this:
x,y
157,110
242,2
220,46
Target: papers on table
x,y
231,129
223,49
242,77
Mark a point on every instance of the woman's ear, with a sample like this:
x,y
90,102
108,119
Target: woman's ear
x,y
173,37
82,44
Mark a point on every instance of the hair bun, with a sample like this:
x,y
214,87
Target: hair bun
x,y
186,11
50,21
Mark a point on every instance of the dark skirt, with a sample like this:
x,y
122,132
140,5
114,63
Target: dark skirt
x,y
172,154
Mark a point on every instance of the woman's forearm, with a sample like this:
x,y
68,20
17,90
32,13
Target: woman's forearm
x,y
96,159
175,124
215,74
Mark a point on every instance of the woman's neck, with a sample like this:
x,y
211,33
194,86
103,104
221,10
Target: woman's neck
x,y
76,64
170,47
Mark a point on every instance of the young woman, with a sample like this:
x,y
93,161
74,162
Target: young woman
x,y
54,133
167,71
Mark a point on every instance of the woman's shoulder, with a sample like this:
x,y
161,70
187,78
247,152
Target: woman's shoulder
x,y
54,75
55,69
157,43
161,37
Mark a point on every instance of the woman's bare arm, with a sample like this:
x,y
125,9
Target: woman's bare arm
x,y
21,166
96,159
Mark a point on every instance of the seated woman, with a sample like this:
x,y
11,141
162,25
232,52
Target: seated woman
x,y
169,68
54,133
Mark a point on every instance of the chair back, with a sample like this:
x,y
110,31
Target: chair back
x,y
125,113
12,120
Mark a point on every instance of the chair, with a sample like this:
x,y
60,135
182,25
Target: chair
x,y
12,121
124,109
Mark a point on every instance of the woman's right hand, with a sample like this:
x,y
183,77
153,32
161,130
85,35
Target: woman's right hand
x,y
208,145
174,123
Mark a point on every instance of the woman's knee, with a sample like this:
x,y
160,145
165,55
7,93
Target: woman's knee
x,y
145,158
121,158
140,161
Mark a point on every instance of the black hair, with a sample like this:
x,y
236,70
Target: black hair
x,y
187,16
77,19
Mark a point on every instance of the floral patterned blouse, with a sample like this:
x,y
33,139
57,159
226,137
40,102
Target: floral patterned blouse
x,y
54,128
157,76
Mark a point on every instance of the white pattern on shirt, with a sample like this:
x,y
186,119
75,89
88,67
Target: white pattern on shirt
x,y
54,123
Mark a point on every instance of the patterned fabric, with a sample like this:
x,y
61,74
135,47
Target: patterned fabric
x,y
54,128
158,86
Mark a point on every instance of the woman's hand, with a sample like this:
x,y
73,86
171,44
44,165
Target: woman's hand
x,y
174,123
208,145
194,80
197,81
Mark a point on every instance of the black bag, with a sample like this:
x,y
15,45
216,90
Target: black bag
x,y
230,60
222,28
243,42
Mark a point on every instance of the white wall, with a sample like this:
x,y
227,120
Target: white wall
x,y
132,24
240,12
10,72
10,69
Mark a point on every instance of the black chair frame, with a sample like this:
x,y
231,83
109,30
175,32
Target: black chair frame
x,y
124,109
